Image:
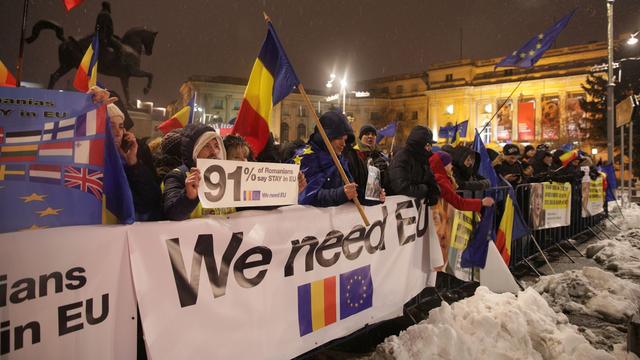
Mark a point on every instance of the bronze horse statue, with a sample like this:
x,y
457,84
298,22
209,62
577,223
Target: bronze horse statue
x,y
123,64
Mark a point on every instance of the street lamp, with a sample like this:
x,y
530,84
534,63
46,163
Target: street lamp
x,y
343,88
633,39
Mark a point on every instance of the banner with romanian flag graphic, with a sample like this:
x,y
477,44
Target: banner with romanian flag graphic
x,y
6,78
60,166
179,119
87,73
272,79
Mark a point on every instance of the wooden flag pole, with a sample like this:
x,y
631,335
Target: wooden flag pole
x,y
327,143
23,29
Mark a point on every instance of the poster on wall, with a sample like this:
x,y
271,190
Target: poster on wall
x,y
526,120
505,123
575,119
550,119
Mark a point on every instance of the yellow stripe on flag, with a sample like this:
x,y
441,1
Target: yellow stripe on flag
x,y
16,148
317,304
259,92
508,223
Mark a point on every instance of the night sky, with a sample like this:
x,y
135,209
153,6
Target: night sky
x,y
367,39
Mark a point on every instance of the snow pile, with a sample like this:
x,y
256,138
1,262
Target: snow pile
x,y
491,326
631,218
620,254
591,291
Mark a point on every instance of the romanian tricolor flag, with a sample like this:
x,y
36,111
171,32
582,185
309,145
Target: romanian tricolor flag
x,y
87,73
316,305
6,79
568,157
511,227
272,79
179,119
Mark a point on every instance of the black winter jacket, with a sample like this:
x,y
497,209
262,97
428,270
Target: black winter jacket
x,y
409,172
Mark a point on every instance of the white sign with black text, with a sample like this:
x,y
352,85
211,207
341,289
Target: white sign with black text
x,y
66,293
228,183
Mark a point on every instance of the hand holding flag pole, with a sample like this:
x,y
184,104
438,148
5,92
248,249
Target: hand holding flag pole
x,y
327,143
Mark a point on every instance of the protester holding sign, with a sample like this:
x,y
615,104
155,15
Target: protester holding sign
x,y
324,185
409,172
367,166
180,195
441,166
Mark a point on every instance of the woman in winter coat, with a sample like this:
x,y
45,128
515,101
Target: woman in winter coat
x,y
465,169
180,194
324,184
441,166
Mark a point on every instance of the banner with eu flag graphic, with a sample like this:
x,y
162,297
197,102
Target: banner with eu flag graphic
x,y
270,291
58,163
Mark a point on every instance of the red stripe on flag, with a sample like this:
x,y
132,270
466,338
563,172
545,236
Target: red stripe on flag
x,y
81,81
501,244
24,158
96,152
41,167
252,126
59,145
169,125
329,300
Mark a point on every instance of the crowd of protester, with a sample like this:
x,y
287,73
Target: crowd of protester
x,y
164,179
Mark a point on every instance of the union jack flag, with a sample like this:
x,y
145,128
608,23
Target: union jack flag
x,y
84,179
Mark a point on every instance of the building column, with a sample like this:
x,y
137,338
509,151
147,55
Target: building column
x,y
562,103
538,118
514,120
227,108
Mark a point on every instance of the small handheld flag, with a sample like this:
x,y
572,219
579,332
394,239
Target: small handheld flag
x,y
179,119
6,78
387,131
70,4
87,73
568,157
272,79
532,50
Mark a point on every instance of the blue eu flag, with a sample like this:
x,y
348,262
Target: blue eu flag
x,y
387,131
356,291
532,50
485,169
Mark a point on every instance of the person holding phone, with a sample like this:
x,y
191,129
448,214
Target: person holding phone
x,y
141,177
510,168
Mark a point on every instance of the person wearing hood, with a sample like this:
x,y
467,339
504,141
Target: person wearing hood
x,y
180,195
510,168
138,166
541,164
361,156
465,163
528,154
442,167
324,184
409,172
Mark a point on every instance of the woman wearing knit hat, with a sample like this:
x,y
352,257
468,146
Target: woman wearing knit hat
x,y
441,166
180,195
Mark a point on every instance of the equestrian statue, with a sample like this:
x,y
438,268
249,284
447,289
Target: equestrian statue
x,y
119,57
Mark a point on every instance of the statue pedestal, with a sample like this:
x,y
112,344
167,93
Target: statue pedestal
x,y
144,124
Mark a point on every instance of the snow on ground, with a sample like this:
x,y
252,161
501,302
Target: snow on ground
x,y
620,255
631,218
591,291
492,326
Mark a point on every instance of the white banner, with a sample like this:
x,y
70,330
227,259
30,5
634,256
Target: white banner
x,y
249,287
66,293
241,183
